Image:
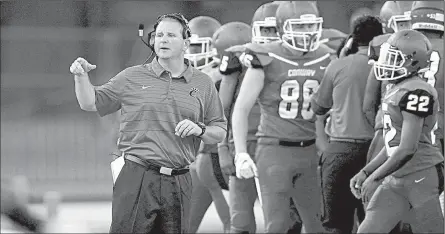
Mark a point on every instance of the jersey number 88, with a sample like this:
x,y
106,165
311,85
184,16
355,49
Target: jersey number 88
x,y
290,95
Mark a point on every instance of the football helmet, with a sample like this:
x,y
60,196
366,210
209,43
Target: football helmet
x,y
231,34
201,51
396,15
405,53
299,25
428,15
264,24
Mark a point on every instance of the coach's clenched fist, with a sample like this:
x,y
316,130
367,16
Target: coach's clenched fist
x,y
187,128
81,66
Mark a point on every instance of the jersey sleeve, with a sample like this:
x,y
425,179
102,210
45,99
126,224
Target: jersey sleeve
x,y
229,64
255,56
417,102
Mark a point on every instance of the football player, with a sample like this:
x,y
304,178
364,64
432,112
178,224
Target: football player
x,y
395,16
201,52
428,18
243,192
282,76
404,175
264,24
208,180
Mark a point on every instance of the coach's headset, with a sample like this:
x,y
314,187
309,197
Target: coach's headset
x,y
186,32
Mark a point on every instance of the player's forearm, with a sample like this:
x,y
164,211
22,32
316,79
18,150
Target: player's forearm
x,y
399,158
376,162
239,128
85,93
226,93
213,135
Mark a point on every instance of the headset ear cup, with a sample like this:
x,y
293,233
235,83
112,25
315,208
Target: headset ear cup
x,y
151,40
186,45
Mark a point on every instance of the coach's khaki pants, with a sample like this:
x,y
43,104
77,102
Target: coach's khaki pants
x,y
145,201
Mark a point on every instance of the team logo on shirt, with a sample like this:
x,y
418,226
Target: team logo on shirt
x,y
300,72
193,92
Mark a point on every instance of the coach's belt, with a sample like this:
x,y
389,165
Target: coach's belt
x,y
161,170
348,140
286,143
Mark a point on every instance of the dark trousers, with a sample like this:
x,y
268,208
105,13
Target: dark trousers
x,y
17,212
145,201
442,146
338,164
297,225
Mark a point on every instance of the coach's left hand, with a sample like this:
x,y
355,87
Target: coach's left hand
x,y
368,188
186,128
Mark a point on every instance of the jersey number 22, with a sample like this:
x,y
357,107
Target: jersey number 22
x,y
290,93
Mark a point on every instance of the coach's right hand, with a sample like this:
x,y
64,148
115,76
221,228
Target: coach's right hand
x,y
81,66
355,184
245,167
226,160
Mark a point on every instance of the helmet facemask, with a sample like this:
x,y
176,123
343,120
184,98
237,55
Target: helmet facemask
x,y
258,31
390,65
200,52
300,38
400,22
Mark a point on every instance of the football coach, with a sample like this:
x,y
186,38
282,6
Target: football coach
x,y
167,108
342,91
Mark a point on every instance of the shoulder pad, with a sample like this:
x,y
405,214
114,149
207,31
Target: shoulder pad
x,y
230,63
418,102
256,56
236,48
332,38
379,40
327,49
374,46
332,32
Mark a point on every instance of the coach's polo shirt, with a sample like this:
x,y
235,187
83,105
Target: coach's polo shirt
x,y
342,90
152,103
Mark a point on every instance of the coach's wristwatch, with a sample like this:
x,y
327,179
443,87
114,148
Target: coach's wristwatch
x,y
203,128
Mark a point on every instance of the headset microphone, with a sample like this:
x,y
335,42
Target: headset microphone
x,y
141,35
141,30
